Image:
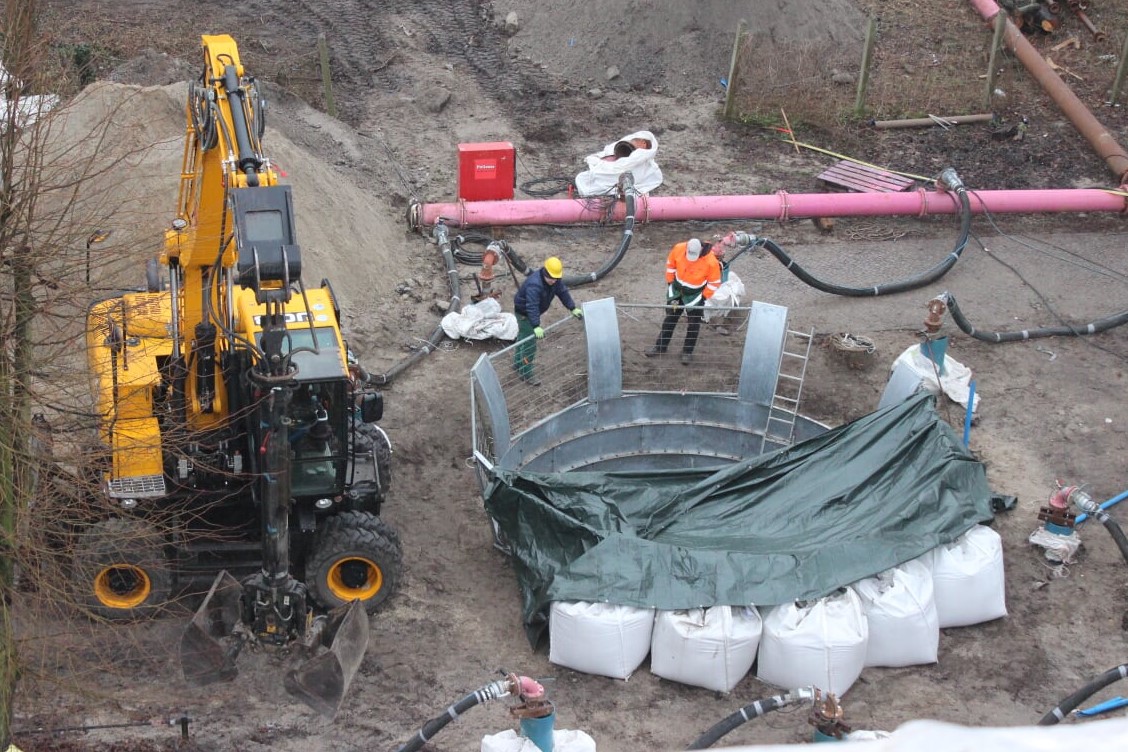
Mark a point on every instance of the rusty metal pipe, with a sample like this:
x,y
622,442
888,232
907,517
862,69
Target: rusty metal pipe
x,y
1099,35
1073,108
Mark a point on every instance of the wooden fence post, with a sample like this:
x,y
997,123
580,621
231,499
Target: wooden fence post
x,y
326,77
863,75
1120,70
996,43
730,88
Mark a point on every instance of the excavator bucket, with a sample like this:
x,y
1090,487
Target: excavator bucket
x,y
322,681
203,656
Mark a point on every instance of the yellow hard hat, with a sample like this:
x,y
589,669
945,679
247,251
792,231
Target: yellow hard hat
x,y
554,267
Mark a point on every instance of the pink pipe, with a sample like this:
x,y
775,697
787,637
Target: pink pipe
x,y
780,206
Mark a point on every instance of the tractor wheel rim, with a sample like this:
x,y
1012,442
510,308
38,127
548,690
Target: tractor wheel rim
x,y
355,577
122,586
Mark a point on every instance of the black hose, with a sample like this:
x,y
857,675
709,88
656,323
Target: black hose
x,y
491,691
626,186
1069,704
1096,327
1114,530
474,258
747,713
455,305
912,283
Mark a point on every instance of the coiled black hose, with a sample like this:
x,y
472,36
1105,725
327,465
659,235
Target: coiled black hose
x,y
474,258
890,288
626,187
747,713
1069,704
1096,327
491,691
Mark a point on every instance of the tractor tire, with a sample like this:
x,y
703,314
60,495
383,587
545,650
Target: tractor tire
x,y
370,521
120,570
355,555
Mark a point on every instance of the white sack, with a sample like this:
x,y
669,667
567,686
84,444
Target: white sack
x,y
712,647
602,175
821,643
563,740
599,638
968,578
726,297
955,381
480,321
904,629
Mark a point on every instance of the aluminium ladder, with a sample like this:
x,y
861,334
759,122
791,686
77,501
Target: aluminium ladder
x,y
783,411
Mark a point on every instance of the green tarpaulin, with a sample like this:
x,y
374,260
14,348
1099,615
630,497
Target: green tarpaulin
x,y
793,524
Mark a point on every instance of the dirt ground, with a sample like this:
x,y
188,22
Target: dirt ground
x,y
413,78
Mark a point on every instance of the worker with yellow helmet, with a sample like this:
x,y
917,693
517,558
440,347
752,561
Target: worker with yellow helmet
x,y
533,299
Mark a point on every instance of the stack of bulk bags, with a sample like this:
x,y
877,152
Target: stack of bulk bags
x,y
968,578
904,629
712,647
599,638
815,643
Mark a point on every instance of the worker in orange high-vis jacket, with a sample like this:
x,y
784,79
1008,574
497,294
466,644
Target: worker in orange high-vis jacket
x,y
693,274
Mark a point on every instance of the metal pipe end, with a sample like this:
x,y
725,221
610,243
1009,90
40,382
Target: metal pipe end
x,y
949,180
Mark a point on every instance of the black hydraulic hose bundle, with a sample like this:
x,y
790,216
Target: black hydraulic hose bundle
x,y
889,288
1095,327
747,713
1069,704
626,187
491,691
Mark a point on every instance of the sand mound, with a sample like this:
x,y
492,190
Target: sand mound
x,y
669,43
129,140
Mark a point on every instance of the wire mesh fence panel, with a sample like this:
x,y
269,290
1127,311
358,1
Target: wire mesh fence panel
x,y
714,366
541,381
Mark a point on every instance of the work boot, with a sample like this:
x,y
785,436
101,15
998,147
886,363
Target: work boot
x,y
654,352
686,358
531,380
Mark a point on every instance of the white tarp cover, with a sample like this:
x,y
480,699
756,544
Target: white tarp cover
x,y
481,321
935,736
604,169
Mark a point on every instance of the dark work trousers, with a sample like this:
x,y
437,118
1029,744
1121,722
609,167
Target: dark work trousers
x,y
693,315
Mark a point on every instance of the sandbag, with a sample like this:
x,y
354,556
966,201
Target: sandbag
x,y
968,579
726,297
706,647
482,320
818,643
599,638
563,740
904,629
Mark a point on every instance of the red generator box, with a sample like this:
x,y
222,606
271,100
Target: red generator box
x,y
487,171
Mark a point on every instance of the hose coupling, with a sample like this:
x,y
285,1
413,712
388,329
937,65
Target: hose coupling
x,y
949,180
1083,501
744,238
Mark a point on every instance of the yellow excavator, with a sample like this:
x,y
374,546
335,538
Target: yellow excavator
x,y
241,436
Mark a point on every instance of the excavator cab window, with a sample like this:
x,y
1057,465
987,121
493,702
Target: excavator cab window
x,y
317,438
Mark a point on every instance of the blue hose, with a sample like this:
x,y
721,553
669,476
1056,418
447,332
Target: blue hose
x,y
539,731
970,412
1110,503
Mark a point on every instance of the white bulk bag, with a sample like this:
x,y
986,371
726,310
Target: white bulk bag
x,y
968,578
706,647
599,638
563,740
820,643
900,609
604,167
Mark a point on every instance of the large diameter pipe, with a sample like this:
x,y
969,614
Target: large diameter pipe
x,y
780,206
1083,120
